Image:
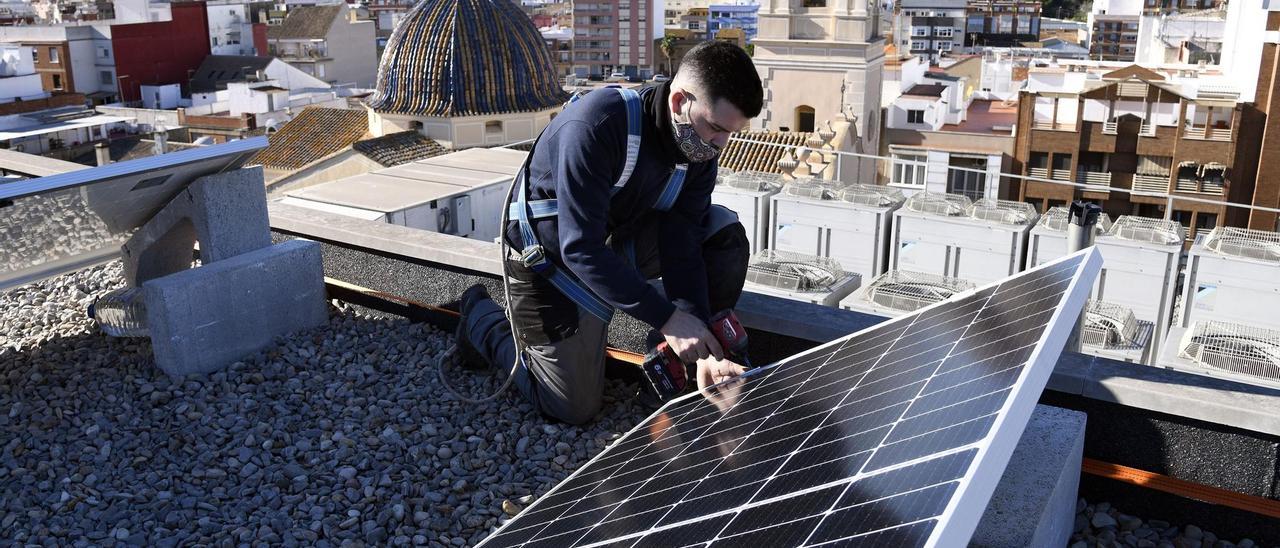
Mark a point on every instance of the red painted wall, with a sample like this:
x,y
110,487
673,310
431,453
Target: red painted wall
x,y
260,39
165,52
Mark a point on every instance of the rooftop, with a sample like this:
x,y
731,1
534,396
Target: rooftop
x,y
741,156
398,148
986,116
314,133
926,90
306,22
216,70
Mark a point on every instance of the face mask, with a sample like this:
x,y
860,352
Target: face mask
x,y
693,147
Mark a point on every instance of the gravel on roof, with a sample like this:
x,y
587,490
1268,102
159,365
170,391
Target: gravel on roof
x,y
337,435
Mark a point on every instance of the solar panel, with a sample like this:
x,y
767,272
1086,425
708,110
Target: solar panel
x,y
60,223
892,436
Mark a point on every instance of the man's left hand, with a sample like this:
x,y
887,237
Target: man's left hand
x,y
713,371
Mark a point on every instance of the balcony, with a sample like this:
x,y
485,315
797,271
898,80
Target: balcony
x,y
1110,127
1053,126
1038,172
1095,180
1207,133
1150,184
1212,187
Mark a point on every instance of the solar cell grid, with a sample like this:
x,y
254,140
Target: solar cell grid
x,y
866,441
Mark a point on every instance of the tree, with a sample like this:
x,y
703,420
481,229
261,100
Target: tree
x,y
668,46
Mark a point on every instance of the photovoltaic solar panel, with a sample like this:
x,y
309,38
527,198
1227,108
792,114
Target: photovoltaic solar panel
x,y
893,436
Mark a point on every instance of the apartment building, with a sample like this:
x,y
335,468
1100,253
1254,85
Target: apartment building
x,y
328,42
613,36
741,15
1180,131
930,28
1001,23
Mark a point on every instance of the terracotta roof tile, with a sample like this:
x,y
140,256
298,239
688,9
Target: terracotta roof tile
x,y
399,148
311,135
740,156
303,22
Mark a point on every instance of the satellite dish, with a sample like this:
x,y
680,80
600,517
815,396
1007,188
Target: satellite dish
x,y
273,125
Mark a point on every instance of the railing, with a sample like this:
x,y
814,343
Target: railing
x,y
1099,179
1049,124
1110,127
1155,185
1148,130
1150,184
1207,133
1199,186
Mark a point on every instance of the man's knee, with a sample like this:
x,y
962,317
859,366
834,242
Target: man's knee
x,y
571,408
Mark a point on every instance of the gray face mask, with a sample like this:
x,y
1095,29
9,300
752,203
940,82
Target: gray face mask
x,y
693,147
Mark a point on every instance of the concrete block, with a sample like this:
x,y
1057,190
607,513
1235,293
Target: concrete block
x,y
1035,502
205,318
226,213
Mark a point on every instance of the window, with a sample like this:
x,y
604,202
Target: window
x,y
320,70
944,46
804,118
105,78
915,116
53,55
106,52
815,3
908,169
966,177
493,128
57,81
919,31
916,46
944,32
35,55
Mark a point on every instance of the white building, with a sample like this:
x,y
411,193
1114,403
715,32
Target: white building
x,y
328,42
230,28
18,78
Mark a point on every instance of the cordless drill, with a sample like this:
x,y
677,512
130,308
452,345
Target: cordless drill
x,y
668,376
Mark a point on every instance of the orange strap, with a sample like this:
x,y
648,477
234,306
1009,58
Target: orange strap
x,y
1183,488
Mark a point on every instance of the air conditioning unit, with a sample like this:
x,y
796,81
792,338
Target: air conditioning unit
x,y
1233,275
1140,258
899,292
747,193
1236,351
1049,236
799,277
1112,331
947,235
849,224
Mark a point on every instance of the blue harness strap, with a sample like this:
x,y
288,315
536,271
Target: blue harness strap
x,y
534,256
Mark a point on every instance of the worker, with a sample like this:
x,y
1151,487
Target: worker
x,y
617,191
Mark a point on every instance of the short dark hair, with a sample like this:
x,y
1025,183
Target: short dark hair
x,y
725,71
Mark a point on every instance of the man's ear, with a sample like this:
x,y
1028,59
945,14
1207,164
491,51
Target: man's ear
x,y
677,102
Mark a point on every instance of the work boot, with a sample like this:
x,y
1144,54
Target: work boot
x,y
467,353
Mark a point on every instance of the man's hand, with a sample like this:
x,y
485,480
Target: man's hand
x,y
689,338
712,372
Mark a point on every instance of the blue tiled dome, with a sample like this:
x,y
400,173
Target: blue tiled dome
x,y
466,57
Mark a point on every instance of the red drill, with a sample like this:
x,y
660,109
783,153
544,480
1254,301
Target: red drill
x,y
668,376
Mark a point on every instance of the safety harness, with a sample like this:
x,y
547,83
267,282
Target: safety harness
x,y
524,210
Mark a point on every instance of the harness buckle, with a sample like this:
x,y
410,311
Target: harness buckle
x,y
534,258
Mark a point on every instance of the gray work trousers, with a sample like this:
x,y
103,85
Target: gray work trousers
x,y
562,372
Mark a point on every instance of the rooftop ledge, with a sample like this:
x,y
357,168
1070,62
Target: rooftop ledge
x,y
1167,391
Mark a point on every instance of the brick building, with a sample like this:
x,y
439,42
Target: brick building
x,y
1155,133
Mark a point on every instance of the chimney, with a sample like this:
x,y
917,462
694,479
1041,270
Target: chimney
x,y
161,136
102,153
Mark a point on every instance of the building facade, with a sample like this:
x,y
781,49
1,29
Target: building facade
x,y
930,28
822,61
611,36
1001,23
1154,133
744,16
328,42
